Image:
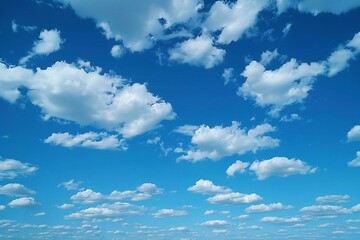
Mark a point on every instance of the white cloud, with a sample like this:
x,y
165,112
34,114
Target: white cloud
x,y
237,167
209,212
142,28
228,75
292,117
220,231
268,56
234,198
217,142
87,97
332,199
286,29
233,19
11,168
66,206
16,190
40,214
15,27
207,187
24,202
117,51
267,208
70,185
179,229
49,42
188,130
356,208
285,219
324,210
150,188
354,134
133,195
87,140
199,51
87,196
215,223
283,5
2,207
242,217
162,213
115,210
280,166
252,227
355,162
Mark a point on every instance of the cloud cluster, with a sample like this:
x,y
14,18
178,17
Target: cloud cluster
x,y
80,93
267,208
11,168
162,213
217,142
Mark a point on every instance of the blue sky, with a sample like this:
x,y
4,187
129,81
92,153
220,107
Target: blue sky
x,y
180,119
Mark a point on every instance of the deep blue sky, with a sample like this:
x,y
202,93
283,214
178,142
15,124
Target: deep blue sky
x,y
186,132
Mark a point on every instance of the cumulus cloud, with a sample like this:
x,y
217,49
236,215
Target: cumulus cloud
x,y
237,167
16,190
143,26
285,219
199,51
87,196
233,19
292,81
324,210
207,187
217,142
355,162
23,202
87,140
117,51
162,213
149,188
234,198
281,167
332,199
87,97
215,223
49,42
117,209
66,206
354,134
267,208
11,168
268,56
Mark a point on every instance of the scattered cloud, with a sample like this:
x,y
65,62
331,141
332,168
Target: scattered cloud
x,y
268,56
207,187
281,167
2,207
217,142
292,117
49,42
66,206
87,97
71,185
23,202
11,168
163,213
267,208
237,167
286,29
324,210
228,75
87,140
16,190
234,198
15,27
179,229
40,214
332,199
285,219
87,196
355,162
199,51
354,134
117,51
215,223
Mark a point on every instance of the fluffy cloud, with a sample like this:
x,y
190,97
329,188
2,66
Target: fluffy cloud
x,y
10,168
324,210
292,81
267,208
179,229
217,142
234,198
215,223
87,97
237,167
233,19
87,196
149,188
207,187
319,6
280,166
16,189
66,206
355,162
117,51
87,140
285,219
332,199
70,185
2,207
49,42
143,26
24,202
354,134
199,51
268,56
162,213
117,209
228,75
